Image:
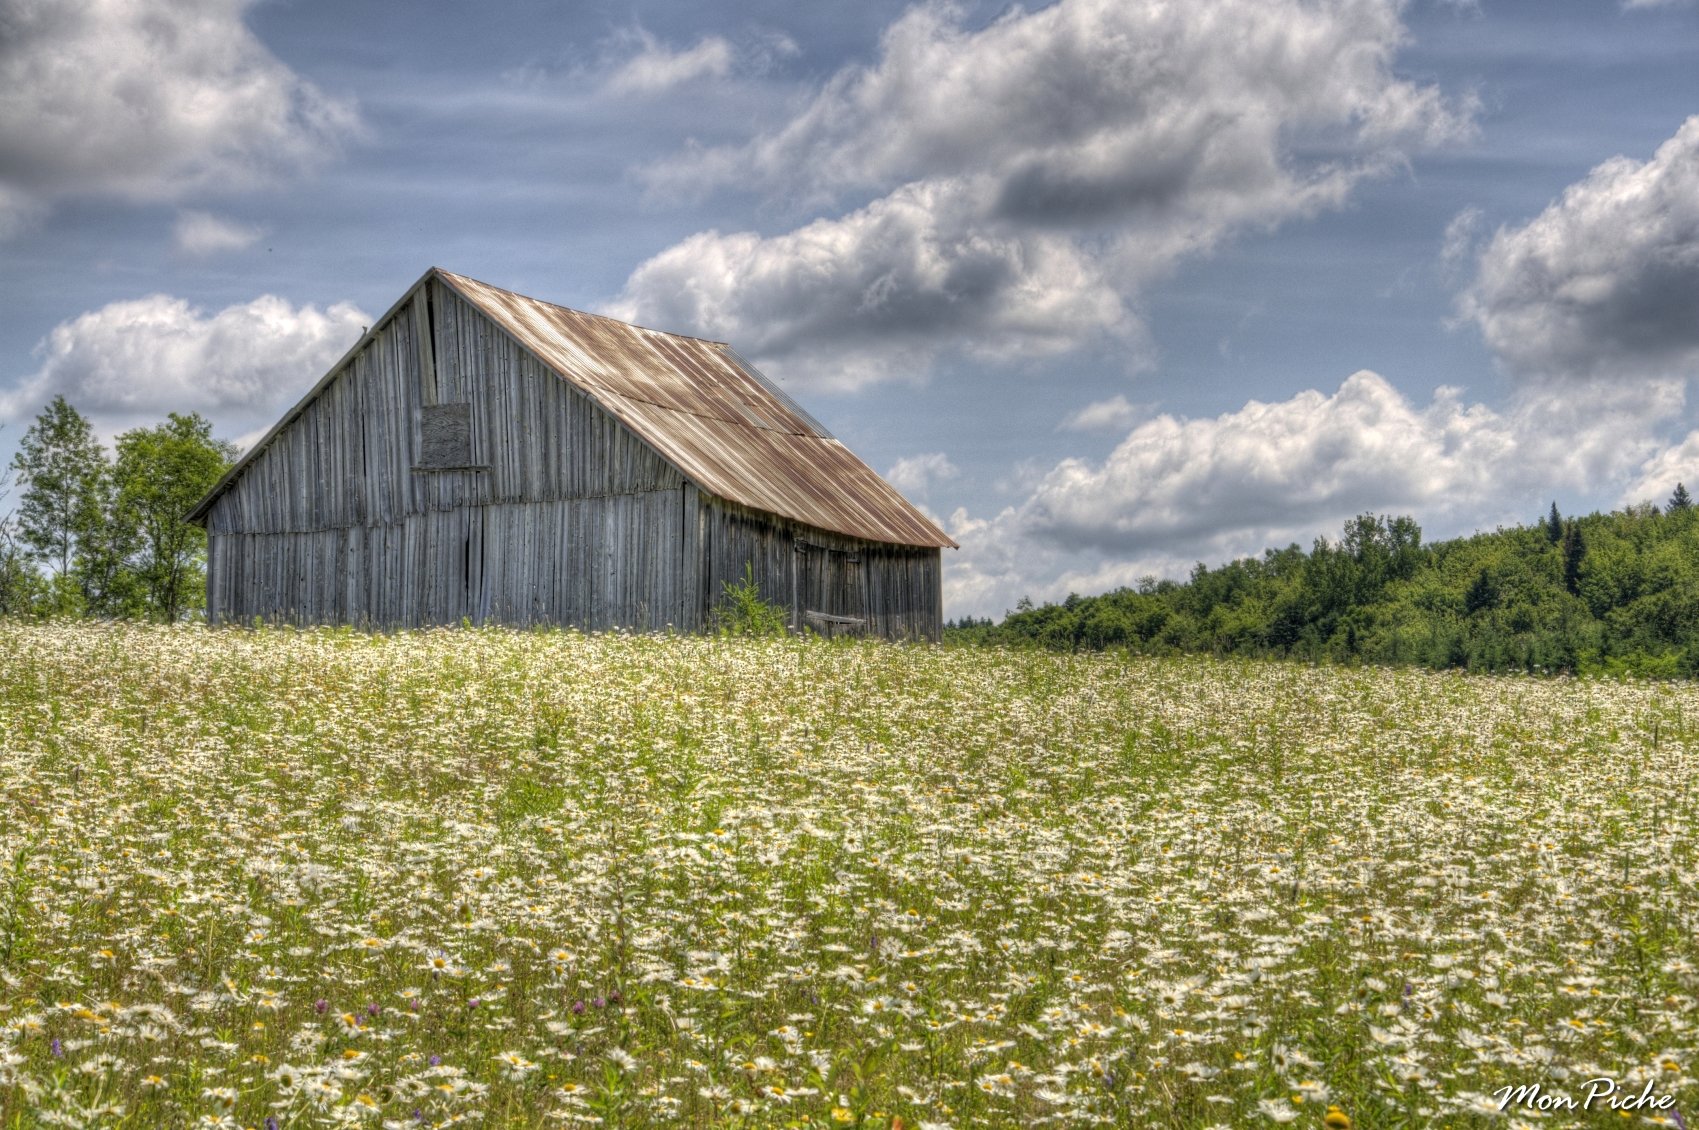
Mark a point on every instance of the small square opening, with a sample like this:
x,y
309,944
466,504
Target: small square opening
x,y
445,436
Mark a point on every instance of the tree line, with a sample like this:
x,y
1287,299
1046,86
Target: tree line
x,y
1605,593
103,534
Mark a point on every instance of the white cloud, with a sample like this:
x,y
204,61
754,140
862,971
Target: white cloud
x,y
1092,106
1461,241
202,233
148,100
1604,282
656,68
1112,415
1180,490
915,474
880,292
1678,463
132,362
1029,177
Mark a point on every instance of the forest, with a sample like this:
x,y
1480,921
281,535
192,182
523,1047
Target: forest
x,y
1613,593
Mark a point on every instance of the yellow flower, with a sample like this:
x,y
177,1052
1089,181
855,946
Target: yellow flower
x,y
1336,1119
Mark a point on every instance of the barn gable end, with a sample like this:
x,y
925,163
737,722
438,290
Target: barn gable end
x,y
445,471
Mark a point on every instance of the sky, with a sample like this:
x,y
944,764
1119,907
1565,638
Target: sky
x,y
1108,287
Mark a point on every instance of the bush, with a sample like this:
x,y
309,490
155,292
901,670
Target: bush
x,y
742,612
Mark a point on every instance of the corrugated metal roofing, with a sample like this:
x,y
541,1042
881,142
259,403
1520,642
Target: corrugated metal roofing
x,y
729,430
720,422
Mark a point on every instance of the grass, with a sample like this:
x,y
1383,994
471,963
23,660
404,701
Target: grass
x,y
514,879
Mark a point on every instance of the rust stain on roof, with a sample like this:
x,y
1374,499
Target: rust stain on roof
x,y
727,428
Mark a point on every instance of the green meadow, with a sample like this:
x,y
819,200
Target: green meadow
x,y
490,878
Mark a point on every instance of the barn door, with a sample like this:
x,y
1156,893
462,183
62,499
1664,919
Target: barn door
x,y
831,590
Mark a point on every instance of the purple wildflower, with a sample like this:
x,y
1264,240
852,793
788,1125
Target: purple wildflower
x,y
578,1008
57,1048
320,1005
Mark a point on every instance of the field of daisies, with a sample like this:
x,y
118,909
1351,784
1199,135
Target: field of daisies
x,y
297,879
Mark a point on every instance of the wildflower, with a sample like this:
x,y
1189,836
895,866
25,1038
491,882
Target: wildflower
x,y
514,1065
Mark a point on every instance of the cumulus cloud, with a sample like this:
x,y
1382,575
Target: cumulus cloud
x,y
1180,490
1656,480
1096,106
148,100
134,361
1077,151
915,474
878,293
1604,283
1112,415
655,67
202,233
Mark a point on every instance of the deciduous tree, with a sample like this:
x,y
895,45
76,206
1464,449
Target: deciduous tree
x,y
161,473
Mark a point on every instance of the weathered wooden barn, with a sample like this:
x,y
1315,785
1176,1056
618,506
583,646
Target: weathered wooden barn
x,y
481,455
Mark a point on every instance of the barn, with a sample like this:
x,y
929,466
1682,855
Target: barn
x,y
483,456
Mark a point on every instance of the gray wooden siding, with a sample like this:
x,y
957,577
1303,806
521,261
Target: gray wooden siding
x,y
896,589
562,517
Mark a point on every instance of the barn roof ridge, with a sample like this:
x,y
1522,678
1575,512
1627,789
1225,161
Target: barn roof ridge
x,y
724,425
448,275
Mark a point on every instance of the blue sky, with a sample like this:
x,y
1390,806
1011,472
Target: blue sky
x,y
1108,286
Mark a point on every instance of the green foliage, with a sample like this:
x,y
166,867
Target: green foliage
x,y
743,611
110,532
20,582
1609,594
161,473
59,465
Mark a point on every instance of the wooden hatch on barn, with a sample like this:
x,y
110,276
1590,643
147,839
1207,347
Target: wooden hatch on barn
x,y
831,590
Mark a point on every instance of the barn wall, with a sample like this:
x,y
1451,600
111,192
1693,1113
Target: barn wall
x,y
896,590
562,516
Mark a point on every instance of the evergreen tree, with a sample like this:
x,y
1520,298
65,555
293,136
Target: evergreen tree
x,y
1574,549
1680,500
1554,525
1482,593
161,473
58,465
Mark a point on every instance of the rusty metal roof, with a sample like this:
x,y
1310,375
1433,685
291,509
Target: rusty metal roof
x,y
729,430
